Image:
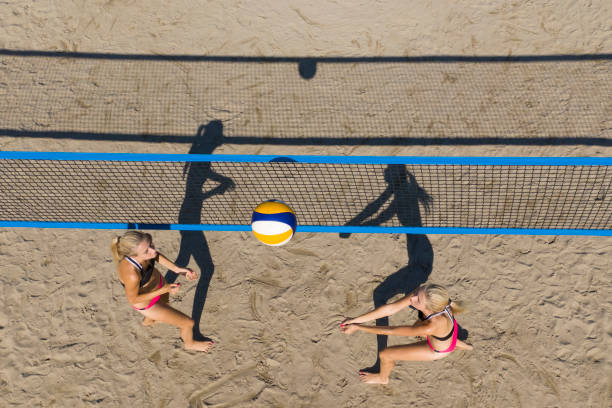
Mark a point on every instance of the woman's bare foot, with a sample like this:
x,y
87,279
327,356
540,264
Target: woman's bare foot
x,y
372,378
204,346
148,322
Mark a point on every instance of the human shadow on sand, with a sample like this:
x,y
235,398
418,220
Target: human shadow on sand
x,y
193,243
403,195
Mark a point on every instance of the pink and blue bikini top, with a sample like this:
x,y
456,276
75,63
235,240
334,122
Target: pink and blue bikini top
x,y
446,310
146,275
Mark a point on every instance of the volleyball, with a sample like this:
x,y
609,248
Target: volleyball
x,y
273,223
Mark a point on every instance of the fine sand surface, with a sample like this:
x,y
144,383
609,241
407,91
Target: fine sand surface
x,y
539,305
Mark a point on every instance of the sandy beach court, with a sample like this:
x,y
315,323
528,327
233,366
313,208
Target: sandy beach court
x,y
539,306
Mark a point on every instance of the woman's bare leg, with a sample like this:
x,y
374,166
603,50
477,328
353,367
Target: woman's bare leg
x,y
163,298
413,352
161,312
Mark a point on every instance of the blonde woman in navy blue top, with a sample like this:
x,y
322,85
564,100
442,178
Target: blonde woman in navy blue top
x,y
436,323
145,287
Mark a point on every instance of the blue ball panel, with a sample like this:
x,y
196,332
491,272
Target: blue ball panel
x,y
287,218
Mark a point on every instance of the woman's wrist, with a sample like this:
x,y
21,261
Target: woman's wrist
x,y
363,318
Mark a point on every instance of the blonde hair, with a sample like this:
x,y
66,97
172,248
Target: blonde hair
x,y
437,298
126,244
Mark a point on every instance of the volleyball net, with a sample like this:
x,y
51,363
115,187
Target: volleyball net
x,y
522,195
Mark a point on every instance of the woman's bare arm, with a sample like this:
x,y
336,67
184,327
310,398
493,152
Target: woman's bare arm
x,y
131,282
165,262
418,329
382,311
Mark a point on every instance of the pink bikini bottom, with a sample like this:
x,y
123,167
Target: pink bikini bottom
x,y
155,299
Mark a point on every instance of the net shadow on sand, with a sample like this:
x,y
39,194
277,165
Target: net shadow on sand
x,y
403,101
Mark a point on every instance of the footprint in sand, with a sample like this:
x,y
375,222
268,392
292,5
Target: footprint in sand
x,y
213,396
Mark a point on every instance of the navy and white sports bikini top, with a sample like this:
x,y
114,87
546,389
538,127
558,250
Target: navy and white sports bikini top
x,y
145,275
446,310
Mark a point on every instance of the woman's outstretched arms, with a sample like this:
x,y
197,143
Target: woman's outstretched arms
x,y
382,311
418,329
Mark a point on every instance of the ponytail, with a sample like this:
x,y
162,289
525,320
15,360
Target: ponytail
x,y
457,306
115,250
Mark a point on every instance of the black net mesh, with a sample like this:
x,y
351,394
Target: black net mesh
x,y
471,196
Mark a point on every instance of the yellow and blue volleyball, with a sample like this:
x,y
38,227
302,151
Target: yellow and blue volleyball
x,y
273,223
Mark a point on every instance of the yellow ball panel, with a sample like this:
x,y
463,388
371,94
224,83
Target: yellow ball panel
x,y
273,207
274,239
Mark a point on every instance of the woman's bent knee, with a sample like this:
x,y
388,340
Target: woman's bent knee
x,y
385,354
